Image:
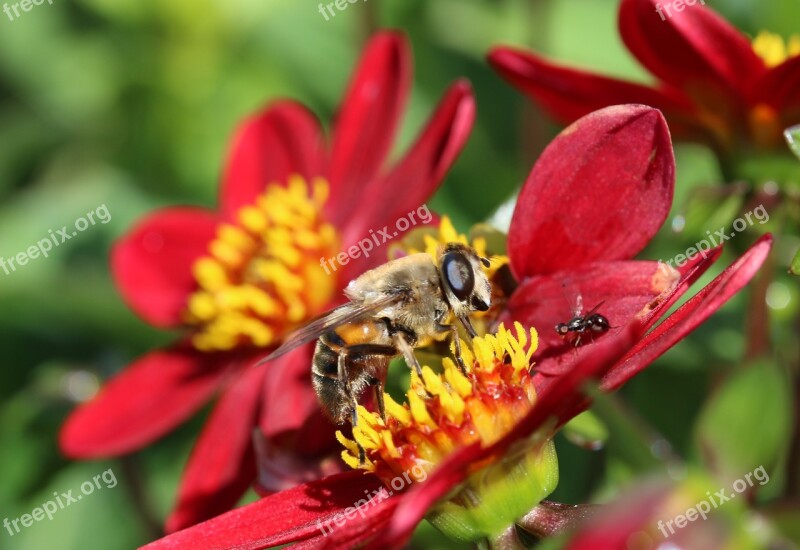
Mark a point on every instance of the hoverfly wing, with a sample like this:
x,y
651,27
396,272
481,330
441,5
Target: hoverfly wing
x,y
345,313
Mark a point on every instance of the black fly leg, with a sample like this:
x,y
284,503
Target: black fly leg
x,y
348,391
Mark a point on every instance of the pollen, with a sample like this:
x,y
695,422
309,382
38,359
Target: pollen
x,y
262,275
773,49
449,410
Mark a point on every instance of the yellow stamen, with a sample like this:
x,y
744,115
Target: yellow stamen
x,y
450,410
773,49
262,276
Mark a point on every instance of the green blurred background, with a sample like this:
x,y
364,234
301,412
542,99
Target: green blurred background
x,y
131,104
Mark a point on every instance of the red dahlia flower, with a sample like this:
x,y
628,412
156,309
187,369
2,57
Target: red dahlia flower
x,y
476,449
239,278
712,84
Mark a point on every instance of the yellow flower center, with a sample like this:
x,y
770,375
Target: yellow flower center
x,y
448,411
773,49
262,276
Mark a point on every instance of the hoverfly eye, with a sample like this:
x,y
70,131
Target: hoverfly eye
x,y
478,304
457,273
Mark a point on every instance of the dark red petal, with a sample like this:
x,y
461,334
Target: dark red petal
x,y
780,88
297,514
622,290
559,402
600,191
146,400
354,533
283,465
402,194
690,315
152,263
283,139
568,94
694,49
222,464
288,397
368,117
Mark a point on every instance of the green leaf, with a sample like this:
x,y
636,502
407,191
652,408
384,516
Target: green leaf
x,y
747,423
794,267
792,136
587,431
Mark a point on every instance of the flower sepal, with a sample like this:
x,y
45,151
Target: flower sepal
x,y
495,497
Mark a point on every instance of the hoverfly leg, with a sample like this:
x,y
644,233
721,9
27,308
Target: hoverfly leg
x,y
457,345
401,342
405,348
348,391
379,397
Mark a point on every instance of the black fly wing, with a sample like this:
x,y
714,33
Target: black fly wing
x,y
345,313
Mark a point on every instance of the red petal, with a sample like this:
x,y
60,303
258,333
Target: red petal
x,y
282,467
288,397
690,315
152,263
620,289
354,533
693,49
600,191
143,402
568,94
694,268
222,465
402,194
368,118
780,88
283,139
297,514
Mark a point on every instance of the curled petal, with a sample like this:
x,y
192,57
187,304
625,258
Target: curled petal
x,y
599,192
403,192
690,315
368,117
568,94
693,49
